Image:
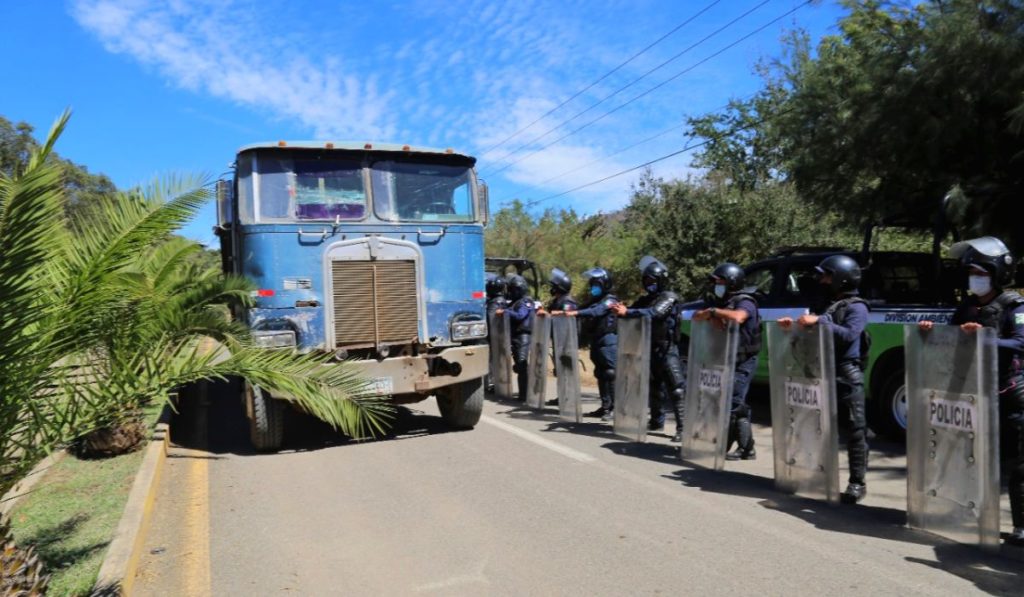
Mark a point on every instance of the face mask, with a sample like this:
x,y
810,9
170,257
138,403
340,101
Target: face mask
x,y
651,288
979,285
719,290
595,291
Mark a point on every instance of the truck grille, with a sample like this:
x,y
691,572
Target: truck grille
x,y
374,303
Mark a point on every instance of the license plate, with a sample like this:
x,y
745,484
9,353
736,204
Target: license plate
x,y
382,386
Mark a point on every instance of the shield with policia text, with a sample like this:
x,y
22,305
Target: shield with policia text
x,y
632,378
501,355
803,398
537,372
953,433
712,365
567,368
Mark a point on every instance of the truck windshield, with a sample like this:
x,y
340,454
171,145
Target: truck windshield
x,y
405,191
311,189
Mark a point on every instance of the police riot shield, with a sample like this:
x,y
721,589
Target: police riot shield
x,y
632,378
567,368
712,365
803,397
501,355
953,433
537,365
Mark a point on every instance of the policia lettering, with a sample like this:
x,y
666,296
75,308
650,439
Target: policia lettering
x,y
989,267
846,318
668,378
731,304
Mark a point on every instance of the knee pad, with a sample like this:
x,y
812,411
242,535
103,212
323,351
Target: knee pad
x,y
519,367
678,394
606,374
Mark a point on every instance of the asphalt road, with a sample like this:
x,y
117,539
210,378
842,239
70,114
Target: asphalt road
x,y
522,505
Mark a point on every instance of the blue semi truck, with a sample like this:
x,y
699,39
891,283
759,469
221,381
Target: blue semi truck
x,y
371,252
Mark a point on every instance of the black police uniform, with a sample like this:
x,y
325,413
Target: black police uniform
x,y
521,313
746,364
847,318
1005,314
600,328
668,379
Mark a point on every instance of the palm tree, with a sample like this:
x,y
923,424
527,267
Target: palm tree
x,y
100,321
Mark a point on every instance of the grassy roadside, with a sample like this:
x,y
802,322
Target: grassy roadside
x,y
72,514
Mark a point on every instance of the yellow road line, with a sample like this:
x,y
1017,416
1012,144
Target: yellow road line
x,y
196,528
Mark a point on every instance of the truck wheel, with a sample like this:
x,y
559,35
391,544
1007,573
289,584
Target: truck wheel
x,y
890,406
266,419
461,404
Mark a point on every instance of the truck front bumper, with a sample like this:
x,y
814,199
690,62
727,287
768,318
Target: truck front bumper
x,y
425,373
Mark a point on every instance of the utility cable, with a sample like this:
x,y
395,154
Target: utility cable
x,y
602,78
656,87
634,81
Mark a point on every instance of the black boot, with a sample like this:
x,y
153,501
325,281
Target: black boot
x,y
678,436
854,493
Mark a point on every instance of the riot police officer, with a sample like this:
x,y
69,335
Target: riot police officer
x,y
495,287
599,328
731,304
846,317
521,312
560,285
667,377
989,267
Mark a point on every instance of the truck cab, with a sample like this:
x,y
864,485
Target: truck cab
x,y
370,252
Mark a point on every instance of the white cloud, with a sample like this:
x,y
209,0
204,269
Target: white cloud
x,y
198,50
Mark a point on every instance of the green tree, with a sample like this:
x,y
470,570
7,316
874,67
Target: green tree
x,y
81,187
117,315
904,105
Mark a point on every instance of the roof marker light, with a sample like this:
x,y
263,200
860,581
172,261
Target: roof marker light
x,y
282,144
368,146
406,148
330,146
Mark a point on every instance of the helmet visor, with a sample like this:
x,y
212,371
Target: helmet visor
x,y
647,260
989,246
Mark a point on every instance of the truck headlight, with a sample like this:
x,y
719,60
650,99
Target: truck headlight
x,y
464,330
274,338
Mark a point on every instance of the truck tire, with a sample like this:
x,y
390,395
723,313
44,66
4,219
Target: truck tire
x,y
266,419
462,404
890,405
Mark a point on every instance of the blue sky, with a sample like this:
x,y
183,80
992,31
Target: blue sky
x,y
178,86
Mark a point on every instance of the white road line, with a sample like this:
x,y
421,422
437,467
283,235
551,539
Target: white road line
x,y
540,441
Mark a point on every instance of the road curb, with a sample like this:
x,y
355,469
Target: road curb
x,y
24,487
117,573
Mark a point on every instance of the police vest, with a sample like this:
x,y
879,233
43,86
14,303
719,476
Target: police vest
x,y
598,327
837,311
526,325
750,337
991,315
562,303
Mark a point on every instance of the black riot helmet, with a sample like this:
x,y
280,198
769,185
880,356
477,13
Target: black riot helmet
x,y
560,282
990,254
653,273
731,274
517,287
844,271
600,278
495,285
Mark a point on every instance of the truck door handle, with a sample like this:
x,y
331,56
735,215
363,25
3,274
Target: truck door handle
x,y
312,237
431,236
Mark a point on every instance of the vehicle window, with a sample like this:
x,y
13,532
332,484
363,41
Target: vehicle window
x,y
801,285
896,283
760,280
311,189
422,192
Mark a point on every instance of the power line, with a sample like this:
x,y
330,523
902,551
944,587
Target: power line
x,y
659,159
633,82
656,87
602,78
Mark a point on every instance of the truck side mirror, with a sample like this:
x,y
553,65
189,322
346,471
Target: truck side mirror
x,y
224,196
485,209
